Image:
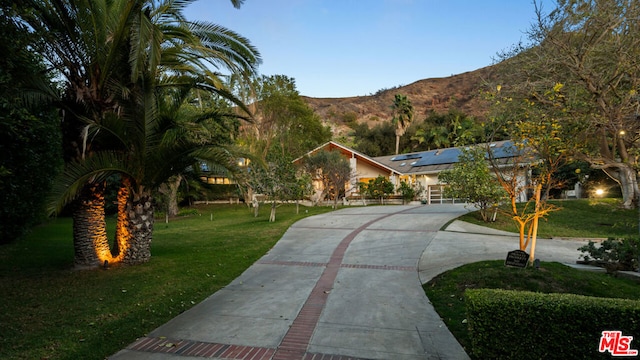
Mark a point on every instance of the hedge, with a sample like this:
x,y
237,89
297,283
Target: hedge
x,y
507,324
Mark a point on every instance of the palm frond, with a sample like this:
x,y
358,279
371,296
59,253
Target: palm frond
x,y
95,168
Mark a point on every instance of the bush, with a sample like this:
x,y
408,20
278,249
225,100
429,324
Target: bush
x,y
526,325
613,254
30,137
408,193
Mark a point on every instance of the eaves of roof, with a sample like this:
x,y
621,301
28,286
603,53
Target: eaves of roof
x,y
331,145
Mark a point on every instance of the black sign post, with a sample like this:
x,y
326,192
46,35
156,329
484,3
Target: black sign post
x,y
517,258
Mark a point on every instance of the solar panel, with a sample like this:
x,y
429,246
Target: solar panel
x,y
406,157
505,151
451,155
445,156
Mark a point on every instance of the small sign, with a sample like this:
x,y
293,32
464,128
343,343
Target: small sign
x,y
616,344
517,258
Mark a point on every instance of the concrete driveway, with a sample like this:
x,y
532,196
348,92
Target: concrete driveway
x,y
342,285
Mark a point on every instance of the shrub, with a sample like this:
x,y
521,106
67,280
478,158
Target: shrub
x,y
613,254
407,192
526,325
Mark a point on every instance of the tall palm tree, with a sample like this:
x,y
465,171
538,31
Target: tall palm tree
x,y
171,146
110,54
403,115
83,43
185,57
153,149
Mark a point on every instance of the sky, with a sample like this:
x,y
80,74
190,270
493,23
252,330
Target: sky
x,y
344,48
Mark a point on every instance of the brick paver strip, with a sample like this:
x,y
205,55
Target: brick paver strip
x,y
349,266
296,341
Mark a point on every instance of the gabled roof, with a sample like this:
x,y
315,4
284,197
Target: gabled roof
x,y
332,145
423,162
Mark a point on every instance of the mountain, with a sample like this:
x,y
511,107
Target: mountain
x,y
461,92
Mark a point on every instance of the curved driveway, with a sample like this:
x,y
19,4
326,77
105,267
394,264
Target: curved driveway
x,y
342,285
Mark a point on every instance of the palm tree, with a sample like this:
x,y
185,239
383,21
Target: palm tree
x,y
403,114
170,146
110,54
153,149
159,148
83,42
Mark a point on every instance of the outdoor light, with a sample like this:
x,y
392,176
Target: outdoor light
x,y
599,192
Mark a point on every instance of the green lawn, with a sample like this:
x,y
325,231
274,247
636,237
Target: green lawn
x,y
50,311
585,218
601,218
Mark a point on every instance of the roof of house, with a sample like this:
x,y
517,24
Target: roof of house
x,y
332,145
434,161
420,163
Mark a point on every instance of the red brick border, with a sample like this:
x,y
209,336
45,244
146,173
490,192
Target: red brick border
x,y
349,266
296,341
201,349
220,351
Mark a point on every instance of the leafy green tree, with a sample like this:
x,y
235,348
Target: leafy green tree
x,y
407,191
374,141
85,44
584,52
471,179
30,150
380,187
276,180
332,169
445,130
402,116
170,148
436,131
363,189
283,121
303,188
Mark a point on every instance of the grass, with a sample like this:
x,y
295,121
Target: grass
x,y
50,311
446,291
593,218
584,218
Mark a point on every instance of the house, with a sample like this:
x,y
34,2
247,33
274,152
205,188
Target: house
x,y
419,169
363,167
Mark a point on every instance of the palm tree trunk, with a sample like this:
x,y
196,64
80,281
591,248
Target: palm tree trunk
x,y
123,237
140,219
90,242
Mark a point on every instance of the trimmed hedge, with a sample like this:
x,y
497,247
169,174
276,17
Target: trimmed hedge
x,y
507,324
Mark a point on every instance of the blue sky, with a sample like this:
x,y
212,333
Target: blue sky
x,y
341,48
